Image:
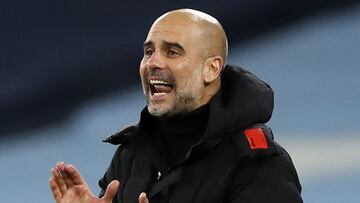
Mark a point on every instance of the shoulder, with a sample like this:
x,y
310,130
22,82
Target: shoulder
x,y
265,168
123,136
272,178
255,141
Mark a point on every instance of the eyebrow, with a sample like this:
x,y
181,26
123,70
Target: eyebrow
x,y
174,44
148,43
166,44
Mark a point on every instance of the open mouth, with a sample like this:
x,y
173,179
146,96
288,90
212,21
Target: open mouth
x,y
160,87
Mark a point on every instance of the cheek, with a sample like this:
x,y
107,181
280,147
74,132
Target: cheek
x,y
142,70
190,75
181,71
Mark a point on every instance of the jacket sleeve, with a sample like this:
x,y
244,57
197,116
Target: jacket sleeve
x,y
268,179
109,174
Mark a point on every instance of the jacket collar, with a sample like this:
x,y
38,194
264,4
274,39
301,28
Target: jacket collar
x,y
242,101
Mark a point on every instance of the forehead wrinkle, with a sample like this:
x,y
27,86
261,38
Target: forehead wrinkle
x,y
158,31
178,30
175,38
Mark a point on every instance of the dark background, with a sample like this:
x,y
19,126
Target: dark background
x,y
55,55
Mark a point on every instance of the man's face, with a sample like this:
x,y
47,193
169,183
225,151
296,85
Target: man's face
x,y
171,69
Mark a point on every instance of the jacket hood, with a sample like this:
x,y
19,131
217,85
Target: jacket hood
x,y
243,100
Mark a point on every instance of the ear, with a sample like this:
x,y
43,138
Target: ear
x,y
213,68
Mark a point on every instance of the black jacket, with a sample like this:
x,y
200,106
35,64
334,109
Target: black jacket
x,y
236,160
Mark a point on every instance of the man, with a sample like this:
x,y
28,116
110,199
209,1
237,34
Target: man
x,y
201,137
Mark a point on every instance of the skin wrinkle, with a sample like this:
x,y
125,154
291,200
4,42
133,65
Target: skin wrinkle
x,y
200,46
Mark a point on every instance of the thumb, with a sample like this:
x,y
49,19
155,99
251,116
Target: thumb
x,y
111,190
143,198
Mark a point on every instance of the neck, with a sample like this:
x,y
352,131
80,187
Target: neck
x,y
175,135
184,126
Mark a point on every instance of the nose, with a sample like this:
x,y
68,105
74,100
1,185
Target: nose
x,y
156,61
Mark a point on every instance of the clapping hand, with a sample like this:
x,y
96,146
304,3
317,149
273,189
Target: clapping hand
x,y
68,186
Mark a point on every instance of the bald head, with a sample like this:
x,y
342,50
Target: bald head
x,y
211,34
184,54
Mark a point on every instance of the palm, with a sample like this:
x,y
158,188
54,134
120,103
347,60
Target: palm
x,y
68,186
78,194
81,194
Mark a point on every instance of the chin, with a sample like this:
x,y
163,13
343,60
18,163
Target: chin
x,y
158,111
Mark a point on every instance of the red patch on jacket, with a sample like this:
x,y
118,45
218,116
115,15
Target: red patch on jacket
x,y
256,138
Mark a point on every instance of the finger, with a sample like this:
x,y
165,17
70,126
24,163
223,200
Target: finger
x,y
111,190
74,175
67,178
60,166
55,190
59,180
143,198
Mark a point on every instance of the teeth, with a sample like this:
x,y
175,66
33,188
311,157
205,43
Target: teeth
x,y
159,93
158,82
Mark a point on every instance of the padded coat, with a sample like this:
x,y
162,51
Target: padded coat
x,y
236,161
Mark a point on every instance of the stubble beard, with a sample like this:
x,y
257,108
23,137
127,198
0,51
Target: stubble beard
x,y
185,99
184,102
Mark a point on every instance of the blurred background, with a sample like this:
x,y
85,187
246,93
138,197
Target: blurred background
x,y
69,78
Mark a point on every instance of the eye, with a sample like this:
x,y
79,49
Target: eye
x,y
172,53
148,52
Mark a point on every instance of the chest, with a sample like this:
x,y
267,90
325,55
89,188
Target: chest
x,y
205,179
